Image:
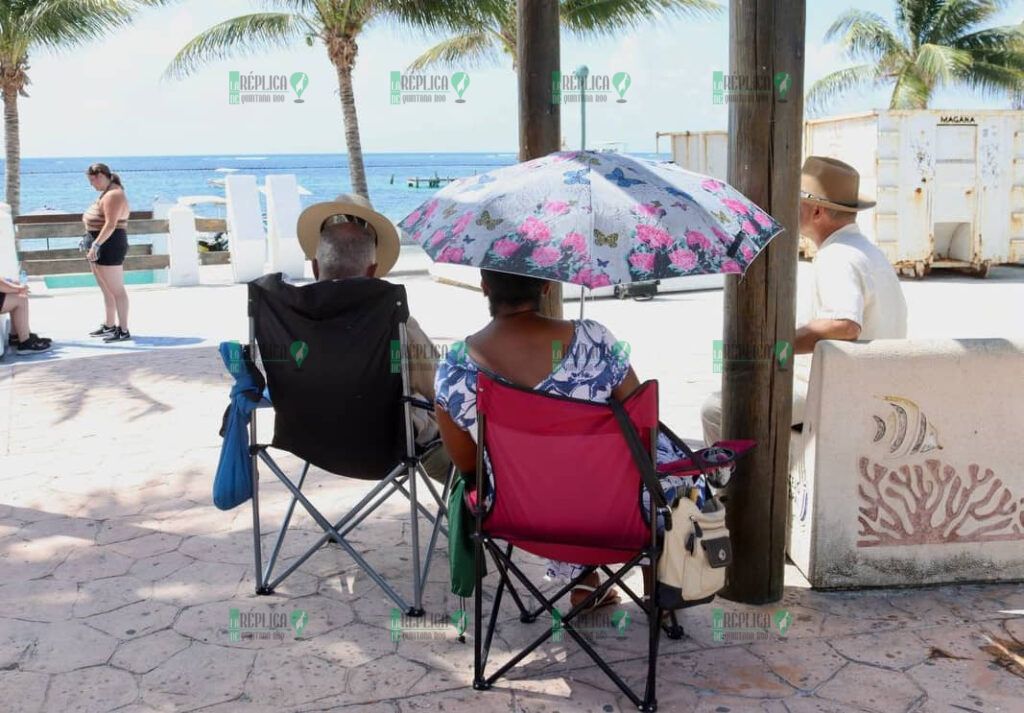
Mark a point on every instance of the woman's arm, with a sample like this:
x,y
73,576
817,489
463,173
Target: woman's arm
x,y
459,444
630,384
12,288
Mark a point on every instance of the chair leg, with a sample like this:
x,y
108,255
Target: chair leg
x,y
675,629
261,585
650,702
284,526
414,519
438,528
479,682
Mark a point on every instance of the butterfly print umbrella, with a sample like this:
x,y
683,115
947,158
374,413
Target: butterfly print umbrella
x,y
592,219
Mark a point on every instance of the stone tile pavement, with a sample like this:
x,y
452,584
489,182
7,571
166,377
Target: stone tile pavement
x,y
117,577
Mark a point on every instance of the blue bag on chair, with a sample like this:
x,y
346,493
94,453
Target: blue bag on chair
x,y
232,484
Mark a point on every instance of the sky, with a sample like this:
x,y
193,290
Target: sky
x,y
108,98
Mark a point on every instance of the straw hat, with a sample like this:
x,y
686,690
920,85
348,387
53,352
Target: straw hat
x,y
312,219
833,184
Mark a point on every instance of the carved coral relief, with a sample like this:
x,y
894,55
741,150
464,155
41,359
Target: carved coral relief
x,y
915,505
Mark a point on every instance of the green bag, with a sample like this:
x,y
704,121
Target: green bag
x,y
460,541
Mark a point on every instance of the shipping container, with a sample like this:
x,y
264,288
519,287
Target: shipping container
x,y
949,184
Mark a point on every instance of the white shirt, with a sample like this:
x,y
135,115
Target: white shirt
x,y
852,279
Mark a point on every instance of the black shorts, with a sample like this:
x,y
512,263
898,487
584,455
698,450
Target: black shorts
x,y
113,249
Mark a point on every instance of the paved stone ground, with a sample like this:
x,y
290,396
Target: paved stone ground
x,y
117,575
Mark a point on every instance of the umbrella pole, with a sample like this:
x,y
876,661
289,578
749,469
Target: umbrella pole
x,y
583,298
540,127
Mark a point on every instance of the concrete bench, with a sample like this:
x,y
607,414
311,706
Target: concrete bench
x,y
910,466
5,333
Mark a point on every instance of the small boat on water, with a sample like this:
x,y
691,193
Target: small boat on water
x,y
434,181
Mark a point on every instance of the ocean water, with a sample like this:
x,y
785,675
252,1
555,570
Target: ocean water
x,y
60,184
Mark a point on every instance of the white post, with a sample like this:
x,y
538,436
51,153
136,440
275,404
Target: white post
x,y
8,265
247,239
283,208
182,247
8,248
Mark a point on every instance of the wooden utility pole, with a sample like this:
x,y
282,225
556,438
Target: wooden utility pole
x,y
540,117
766,39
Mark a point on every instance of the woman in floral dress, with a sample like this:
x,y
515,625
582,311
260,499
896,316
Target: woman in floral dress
x,y
517,347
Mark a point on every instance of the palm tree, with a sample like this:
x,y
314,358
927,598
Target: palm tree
x,y
488,33
30,25
337,24
933,43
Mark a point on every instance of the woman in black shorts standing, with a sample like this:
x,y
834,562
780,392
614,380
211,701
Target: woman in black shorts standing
x,y
105,222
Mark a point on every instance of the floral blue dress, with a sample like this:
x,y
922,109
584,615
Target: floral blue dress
x,y
591,367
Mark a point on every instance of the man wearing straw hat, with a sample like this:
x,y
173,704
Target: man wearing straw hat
x,y
346,238
855,294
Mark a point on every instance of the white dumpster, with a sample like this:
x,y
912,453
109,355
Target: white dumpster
x,y
949,184
704,152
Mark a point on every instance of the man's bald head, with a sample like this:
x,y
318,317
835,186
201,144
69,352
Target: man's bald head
x,y
345,250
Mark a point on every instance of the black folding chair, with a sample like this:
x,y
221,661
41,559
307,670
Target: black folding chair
x,y
337,370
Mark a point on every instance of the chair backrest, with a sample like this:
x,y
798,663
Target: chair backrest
x,y
566,485
328,350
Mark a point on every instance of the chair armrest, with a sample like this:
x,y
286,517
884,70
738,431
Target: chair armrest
x,y
418,403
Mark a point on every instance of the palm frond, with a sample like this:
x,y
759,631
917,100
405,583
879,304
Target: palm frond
x,y
824,91
866,36
596,17
940,64
956,17
1003,40
915,18
54,24
238,37
434,15
910,91
469,49
992,80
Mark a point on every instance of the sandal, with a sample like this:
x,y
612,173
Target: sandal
x,y
610,598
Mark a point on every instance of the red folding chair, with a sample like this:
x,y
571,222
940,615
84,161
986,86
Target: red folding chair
x,y
563,482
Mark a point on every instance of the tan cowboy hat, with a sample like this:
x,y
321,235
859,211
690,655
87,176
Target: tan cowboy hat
x,y
833,184
313,217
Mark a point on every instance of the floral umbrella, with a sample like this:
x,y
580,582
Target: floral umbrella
x,y
592,219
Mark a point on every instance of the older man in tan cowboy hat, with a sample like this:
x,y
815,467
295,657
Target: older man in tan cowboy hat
x,y
345,239
855,294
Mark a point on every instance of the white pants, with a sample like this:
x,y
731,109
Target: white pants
x,y
711,411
